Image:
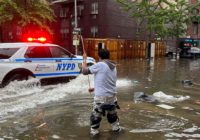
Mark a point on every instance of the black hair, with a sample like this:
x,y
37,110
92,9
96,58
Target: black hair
x,y
104,54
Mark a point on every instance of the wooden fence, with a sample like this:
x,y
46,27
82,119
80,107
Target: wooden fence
x,y
122,49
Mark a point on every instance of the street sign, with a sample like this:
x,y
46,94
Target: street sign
x,y
76,41
76,31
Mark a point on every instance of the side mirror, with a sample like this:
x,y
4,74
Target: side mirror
x,y
72,56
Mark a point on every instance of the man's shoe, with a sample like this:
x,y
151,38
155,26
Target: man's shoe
x,y
118,130
94,131
116,127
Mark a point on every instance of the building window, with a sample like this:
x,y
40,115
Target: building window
x,y
63,12
10,34
94,8
64,33
94,31
79,10
65,23
18,31
73,22
195,28
196,11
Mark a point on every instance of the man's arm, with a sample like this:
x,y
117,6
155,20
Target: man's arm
x,y
85,69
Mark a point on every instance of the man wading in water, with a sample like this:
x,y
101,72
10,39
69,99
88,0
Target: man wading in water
x,y
105,100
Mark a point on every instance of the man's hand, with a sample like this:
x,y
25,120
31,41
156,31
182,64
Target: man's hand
x,y
91,90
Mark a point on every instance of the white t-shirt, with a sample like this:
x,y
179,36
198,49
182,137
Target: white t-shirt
x,y
104,79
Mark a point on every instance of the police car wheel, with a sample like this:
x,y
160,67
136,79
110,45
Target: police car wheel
x,y
17,77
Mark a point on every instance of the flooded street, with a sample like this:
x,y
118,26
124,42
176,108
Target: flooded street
x,y
29,111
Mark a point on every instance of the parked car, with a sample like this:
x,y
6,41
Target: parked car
x,y
20,61
194,52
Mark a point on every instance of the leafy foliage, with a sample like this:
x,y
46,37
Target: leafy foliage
x,y
24,12
166,18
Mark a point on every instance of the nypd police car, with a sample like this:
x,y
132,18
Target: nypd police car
x,y
20,61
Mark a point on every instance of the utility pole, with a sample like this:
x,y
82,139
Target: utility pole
x,y
75,22
75,13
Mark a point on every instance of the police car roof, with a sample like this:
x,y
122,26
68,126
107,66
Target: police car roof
x,y
24,44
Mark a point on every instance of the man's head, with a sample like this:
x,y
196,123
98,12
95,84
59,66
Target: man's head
x,y
104,54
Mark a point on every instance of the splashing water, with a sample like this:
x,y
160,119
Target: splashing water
x,y
124,83
19,96
162,97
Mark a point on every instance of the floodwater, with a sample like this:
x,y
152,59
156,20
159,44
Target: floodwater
x,y
29,111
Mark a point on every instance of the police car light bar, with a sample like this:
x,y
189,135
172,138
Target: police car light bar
x,y
40,39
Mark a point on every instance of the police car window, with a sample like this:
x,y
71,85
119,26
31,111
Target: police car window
x,y
6,53
58,52
38,52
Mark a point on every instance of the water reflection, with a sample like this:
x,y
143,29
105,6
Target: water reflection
x,y
62,111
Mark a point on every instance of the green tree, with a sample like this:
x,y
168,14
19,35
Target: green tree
x,y
163,17
25,12
146,14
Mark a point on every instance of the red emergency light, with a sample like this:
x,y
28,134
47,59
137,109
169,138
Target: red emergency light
x,y
36,35
40,39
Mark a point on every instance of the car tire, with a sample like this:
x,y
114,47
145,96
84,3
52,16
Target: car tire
x,y
17,77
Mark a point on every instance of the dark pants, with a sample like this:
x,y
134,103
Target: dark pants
x,y
99,110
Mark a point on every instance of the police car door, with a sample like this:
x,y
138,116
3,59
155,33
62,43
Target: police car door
x,y
40,59
66,64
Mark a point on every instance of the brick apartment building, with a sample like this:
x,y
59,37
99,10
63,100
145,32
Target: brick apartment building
x,y
105,19
95,18
194,31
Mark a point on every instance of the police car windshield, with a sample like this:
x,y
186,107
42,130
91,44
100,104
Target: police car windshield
x,y
6,53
